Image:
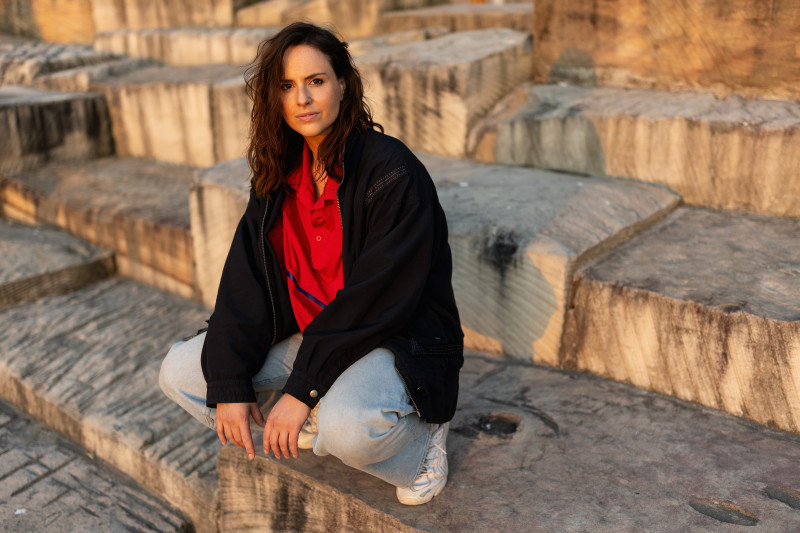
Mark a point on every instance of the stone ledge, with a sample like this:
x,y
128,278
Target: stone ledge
x,y
462,17
40,126
136,208
536,450
86,364
725,153
40,261
702,306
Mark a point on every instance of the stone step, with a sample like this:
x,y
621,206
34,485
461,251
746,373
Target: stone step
x,y
49,484
462,17
192,115
112,15
431,94
139,209
702,306
517,237
41,261
725,153
86,364
187,46
535,450
750,52
39,126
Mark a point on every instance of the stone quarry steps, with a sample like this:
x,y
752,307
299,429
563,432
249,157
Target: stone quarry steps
x,y
49,484
604,457
702,306
137,208
727,153
461,17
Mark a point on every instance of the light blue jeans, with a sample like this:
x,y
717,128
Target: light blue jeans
x,y
366,419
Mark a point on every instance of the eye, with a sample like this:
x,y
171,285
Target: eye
x,y
286,86
317,81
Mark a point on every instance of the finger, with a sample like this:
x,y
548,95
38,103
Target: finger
x,y
273,443
221,431
233,435
284,442
255,412
267,432
293,443
247,440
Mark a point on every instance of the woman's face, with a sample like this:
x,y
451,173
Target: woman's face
x,y
310,93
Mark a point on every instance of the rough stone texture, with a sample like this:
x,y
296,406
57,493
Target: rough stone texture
x,y
41,261
16,18
517,237
725,153
464,17
23,61
64,21
50,485
88,78
430,94
702,306
86,364
137,208
230,115
187,46
39,126
364,45
141,14
587,455
165,113
744,47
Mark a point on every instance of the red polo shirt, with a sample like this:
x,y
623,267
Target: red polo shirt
x,y
308,242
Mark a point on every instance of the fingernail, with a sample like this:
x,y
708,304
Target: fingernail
x,y
251,456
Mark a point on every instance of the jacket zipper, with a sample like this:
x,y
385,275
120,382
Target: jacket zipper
x,y
266,276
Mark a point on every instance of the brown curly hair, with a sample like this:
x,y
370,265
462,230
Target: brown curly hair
x,y
274,147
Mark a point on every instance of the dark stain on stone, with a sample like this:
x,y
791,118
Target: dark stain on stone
x,y
788,496
290,513
724,511
500,249
502,425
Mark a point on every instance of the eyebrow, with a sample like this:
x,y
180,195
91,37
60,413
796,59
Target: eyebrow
x,y
315,75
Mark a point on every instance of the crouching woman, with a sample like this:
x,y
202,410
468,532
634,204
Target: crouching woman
x,y
337,287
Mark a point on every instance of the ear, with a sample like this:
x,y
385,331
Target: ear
x,y
342,85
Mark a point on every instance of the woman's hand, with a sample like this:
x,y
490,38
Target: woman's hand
x,y
233,424
283,426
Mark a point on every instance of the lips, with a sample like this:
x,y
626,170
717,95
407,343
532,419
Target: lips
x,y
307,117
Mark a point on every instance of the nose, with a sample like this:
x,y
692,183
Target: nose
x,y
303,95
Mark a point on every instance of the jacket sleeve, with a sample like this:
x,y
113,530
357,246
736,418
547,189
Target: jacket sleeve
x,y
242,326
405,228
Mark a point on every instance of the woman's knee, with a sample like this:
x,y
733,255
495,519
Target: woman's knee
x,y
180,367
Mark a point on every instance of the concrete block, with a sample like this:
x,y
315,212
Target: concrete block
x,y
430,94
701,306
51,484
187,46
39,126
559,452
138,209
86,364
725,153
462,17
41,261
517,237
165,113
112,15
746,47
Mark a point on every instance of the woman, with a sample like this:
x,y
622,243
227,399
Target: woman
x,y
343,240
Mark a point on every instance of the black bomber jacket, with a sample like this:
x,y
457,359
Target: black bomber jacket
x,y
397,290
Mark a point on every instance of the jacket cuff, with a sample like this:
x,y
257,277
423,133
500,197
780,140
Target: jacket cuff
x,y
229,391
302,389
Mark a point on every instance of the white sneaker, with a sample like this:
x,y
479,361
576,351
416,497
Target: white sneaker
x,y
305,439
432,475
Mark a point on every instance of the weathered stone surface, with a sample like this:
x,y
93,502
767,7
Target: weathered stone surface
x,y
40,261
722,153
87,78
517,237
64,21
23,61
745,47
230,115
39,126
430,94
137,208
49,484
364,45
702,306
141,14
462,17
16,18
165,113
86,364
575,453
187,46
